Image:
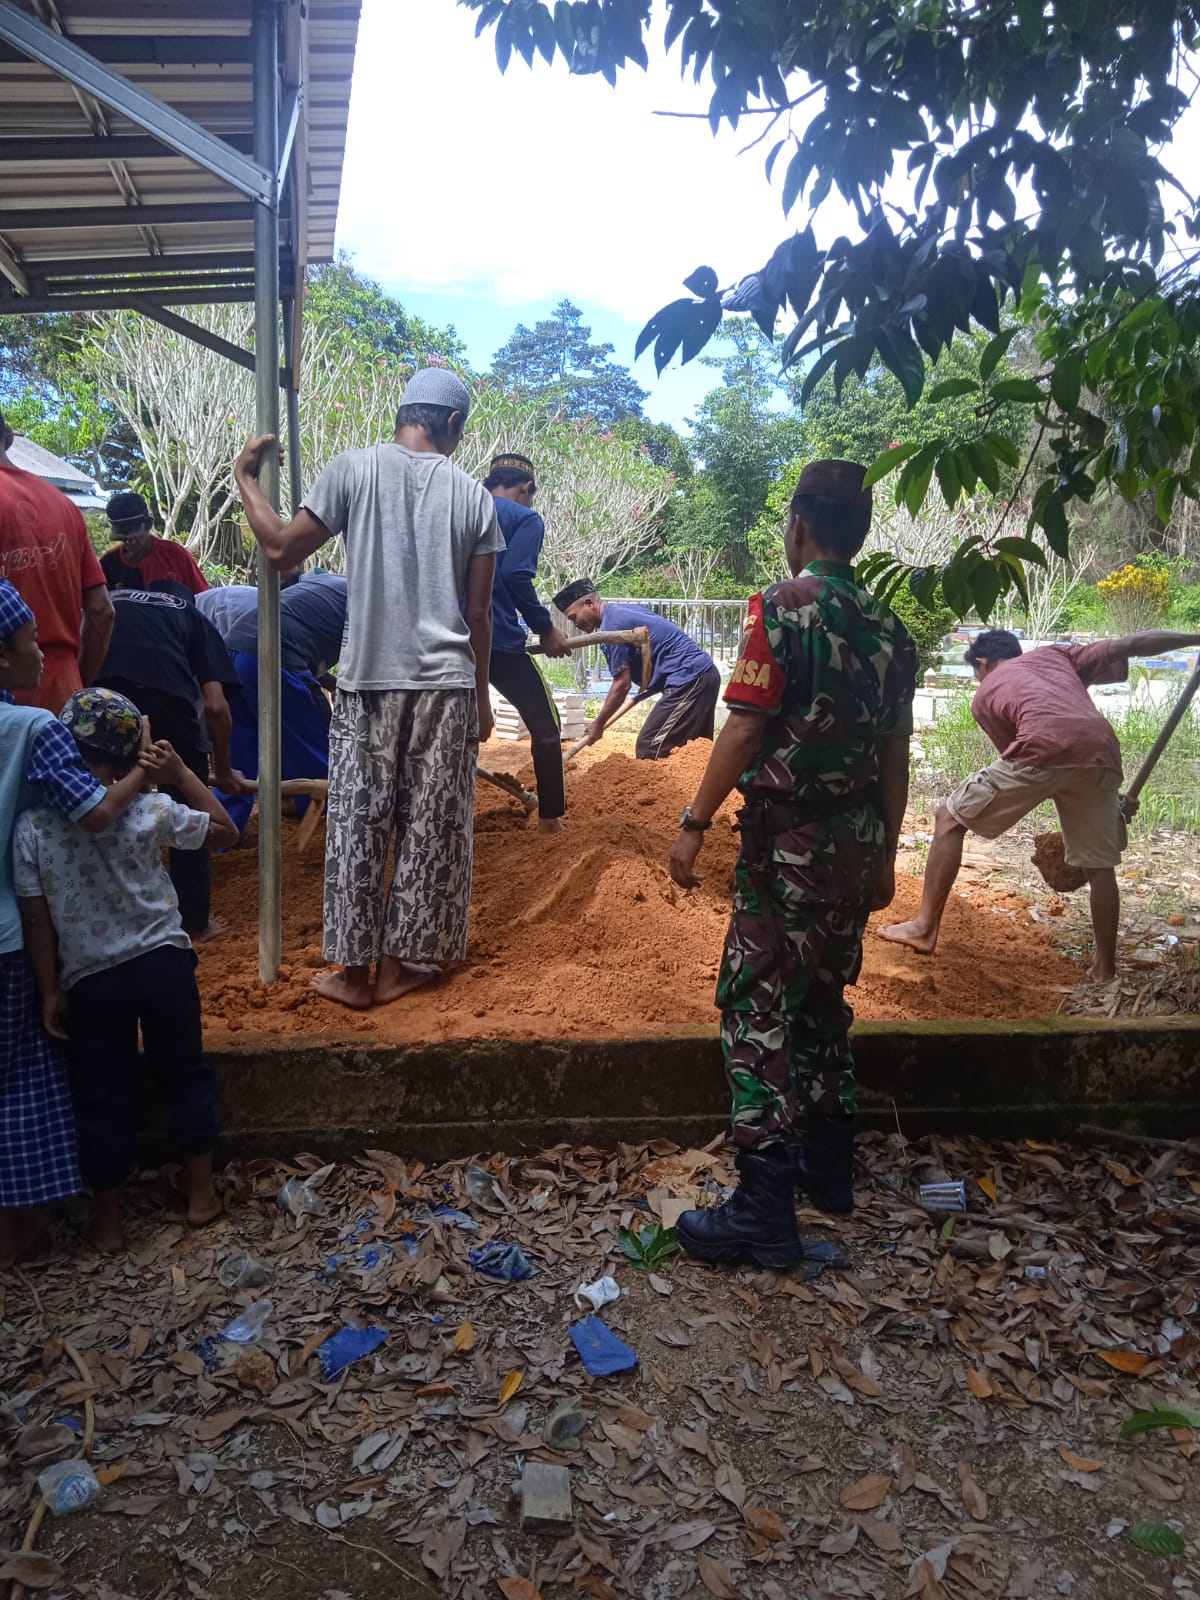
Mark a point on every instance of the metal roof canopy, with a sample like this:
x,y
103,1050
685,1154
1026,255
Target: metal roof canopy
x,y
163,153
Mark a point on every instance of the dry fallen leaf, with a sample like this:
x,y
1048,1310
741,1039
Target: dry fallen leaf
x,y
220,1422
883,1535
107,1475
718,1580
510,1386
837,1544
464,1339
517,1588
34,1570
974,1498
1124,1360
730,1485
979,1384
988,1187
765,1523
424,1389
867,1493
1079,1463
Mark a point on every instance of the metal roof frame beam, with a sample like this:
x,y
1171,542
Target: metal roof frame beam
x,y
91,147
211,341
33,305
40,43
12,268
50,218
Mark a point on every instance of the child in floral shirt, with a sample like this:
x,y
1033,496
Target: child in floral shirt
x,y
110,953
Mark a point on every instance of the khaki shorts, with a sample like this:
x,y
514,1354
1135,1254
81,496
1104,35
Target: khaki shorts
x,y
1087,800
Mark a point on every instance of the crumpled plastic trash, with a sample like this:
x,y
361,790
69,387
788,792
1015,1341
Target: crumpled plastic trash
x,y
599,1348
248,1325
500,1260
448,1214
300,1198
367,1257
822,1253
482,1187
345,1347
242,1271
591,1296
68,1486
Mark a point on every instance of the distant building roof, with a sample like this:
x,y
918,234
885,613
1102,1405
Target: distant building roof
x,y
43,463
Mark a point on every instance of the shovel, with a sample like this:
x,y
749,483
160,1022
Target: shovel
x,y
1048,855
510,786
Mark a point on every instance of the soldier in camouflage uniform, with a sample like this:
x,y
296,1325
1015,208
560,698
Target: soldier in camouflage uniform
x,y
817,742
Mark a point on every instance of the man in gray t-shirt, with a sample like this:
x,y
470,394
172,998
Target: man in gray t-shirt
x,y
412,699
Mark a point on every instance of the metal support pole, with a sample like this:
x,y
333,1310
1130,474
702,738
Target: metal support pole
x,y
266,354
292,397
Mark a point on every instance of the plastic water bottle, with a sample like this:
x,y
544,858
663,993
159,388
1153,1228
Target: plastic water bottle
x,y
68,1486
248,1327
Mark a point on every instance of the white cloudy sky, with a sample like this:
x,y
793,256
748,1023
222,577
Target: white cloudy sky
x,y
547,185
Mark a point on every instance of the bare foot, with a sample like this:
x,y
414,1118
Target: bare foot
x,y
19,1232
109,1242
398,978
216,927
551,825
912,934
1101,972
346,991
204,1207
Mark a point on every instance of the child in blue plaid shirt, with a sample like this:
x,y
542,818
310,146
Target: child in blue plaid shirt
x,y
39,764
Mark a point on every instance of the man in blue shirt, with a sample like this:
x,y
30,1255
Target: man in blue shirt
x,y
684,675
513,485
312,622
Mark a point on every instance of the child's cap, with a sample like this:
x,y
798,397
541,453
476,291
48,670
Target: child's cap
x,y
14,613
104,723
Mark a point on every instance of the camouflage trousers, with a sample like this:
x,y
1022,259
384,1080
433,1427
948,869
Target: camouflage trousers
x,y
402,769
794,943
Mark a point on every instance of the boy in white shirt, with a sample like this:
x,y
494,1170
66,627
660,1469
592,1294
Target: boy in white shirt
x,y
110,953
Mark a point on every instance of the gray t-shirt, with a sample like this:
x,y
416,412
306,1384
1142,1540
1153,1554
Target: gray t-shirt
x,y
412,523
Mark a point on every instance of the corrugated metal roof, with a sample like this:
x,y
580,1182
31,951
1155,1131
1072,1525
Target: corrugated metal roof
x,y
110,212
43,463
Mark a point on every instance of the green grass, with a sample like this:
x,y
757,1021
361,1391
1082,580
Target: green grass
x,y
955,746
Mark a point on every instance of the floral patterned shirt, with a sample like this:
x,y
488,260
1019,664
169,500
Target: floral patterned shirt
x,y
109,895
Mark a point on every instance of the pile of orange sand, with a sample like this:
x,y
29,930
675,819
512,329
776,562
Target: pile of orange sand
x,y
584,934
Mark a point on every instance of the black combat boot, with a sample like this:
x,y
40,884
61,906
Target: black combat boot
x,y
823,1165
757,1224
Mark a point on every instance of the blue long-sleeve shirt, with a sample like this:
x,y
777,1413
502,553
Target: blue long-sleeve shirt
x,y
513,594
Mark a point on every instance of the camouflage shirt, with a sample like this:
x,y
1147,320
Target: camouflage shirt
x,y
836,672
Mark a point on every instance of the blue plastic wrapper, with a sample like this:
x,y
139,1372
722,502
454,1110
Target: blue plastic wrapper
x,y
500,1260
599,1348
822,1253
345,1347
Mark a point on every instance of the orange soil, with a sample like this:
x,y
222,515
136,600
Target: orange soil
x,y
584,934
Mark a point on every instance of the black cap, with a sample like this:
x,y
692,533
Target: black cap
x,y
579,590
126,507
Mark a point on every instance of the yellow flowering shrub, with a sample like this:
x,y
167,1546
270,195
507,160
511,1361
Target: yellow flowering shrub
x,y
1136,596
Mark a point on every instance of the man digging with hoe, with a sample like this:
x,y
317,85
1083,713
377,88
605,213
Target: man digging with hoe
x,y
1054,745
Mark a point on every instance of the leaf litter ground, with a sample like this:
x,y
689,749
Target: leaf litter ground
x,y
941,1420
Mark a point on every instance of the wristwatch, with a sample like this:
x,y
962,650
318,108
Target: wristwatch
x,y
691,824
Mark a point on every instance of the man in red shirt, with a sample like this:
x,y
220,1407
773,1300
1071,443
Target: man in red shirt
x,y
142,558
1054,745
45,553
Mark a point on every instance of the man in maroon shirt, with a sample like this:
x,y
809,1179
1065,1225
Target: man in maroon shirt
x,y
1054,745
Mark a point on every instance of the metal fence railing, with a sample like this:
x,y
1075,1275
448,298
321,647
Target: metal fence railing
x,y
715,625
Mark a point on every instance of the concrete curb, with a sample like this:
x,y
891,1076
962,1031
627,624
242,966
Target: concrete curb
x,y
1006,1080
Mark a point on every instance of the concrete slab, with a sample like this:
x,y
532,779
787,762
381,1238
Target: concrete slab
x,y
438,1101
